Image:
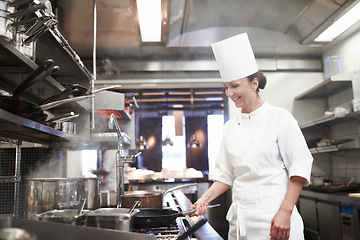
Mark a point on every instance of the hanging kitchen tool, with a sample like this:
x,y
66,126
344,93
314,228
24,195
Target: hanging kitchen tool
x,y
75,90
17,3
152,218
148,199
90,94
24,108
11,103
39,31
27,11
33,77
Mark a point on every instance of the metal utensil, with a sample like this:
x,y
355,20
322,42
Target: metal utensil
x,y
81,205
136,203
190,211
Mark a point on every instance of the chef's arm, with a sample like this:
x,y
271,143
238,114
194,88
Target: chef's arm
x,y
100,172
280,224
293,192
216,189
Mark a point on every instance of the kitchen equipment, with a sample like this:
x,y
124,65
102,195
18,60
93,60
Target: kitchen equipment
x,y
21,107
348,225
148,199
45,194
81,206
13,233
192,229
136,204
28,50
148,218
68,216
111,218
5,5
61,118
108,198
66,127
27,11
6,29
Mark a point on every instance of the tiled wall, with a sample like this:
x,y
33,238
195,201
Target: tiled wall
x,y
346,164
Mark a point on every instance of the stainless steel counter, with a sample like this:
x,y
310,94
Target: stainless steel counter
x,y
60,231
342,197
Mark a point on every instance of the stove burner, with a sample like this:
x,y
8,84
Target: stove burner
x,y
171,232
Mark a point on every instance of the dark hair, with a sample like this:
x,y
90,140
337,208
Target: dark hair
x,y
261,77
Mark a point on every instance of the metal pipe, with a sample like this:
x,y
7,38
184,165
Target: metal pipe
x,y
120,165
93,79
17,175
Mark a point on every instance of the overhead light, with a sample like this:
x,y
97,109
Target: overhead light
x,y
141,143
149,12
340,25
194,142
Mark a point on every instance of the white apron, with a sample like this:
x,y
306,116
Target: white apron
x,y
250,218
260,177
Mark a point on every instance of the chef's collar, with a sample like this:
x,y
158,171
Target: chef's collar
x,y
254,113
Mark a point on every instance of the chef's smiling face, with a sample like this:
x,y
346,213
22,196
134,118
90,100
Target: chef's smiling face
x,y
242,92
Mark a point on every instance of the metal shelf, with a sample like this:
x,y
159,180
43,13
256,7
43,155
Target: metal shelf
x,y
16,127
72,70
13,64
330,120
327,88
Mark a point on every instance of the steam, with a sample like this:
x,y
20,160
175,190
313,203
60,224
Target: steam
x,y
108,67
50,168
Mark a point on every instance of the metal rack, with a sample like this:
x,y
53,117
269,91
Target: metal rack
x,y
14,66
13,178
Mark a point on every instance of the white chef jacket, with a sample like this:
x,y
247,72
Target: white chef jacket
x,y
258,154
109,164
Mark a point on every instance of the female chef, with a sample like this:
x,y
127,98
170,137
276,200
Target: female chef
x,y
263,155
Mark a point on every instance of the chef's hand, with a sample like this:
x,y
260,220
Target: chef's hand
x,y
200,207
280,225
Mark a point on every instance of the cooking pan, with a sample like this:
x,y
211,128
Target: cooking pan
x,y
24,108
153,218
13,103
148,199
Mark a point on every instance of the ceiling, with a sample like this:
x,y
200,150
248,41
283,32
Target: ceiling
x,y
272,24
278,29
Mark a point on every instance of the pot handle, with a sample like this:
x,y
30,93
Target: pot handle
x,y
192,229
177,187
32,77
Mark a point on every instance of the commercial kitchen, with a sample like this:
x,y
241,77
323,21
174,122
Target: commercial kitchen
x,y
82,81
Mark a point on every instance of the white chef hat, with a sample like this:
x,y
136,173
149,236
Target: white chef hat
x,y
235,57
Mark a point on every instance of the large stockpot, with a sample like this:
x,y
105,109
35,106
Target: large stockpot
x,y
45,194
148,199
